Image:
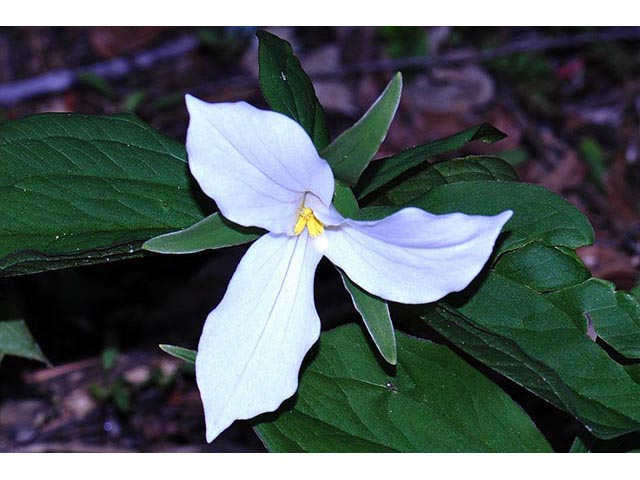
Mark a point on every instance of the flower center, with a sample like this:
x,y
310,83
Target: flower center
x,y
306,218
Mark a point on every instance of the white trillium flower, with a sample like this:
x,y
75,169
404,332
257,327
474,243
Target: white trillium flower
x,y
262,170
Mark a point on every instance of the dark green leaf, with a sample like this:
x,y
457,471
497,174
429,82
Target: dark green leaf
x,y
344,200
543,267
78,189
351,152
463,169
287,88
529,324
182,353
375,314
522,334
213,232
434,402
615,315
385,170
15,339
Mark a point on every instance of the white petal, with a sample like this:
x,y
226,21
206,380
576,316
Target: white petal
x,y
413,256
256,164
253,343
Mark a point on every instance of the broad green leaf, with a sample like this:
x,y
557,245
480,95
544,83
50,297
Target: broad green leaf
x,y
181,353
16,340
432,402
463,169
351,152
543,267
385,170
635,291
287,88
79,189
375,314
539,215
559,271
615,315
523,334
213,232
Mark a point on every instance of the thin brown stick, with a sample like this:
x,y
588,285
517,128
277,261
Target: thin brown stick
x,y
530,45
57,81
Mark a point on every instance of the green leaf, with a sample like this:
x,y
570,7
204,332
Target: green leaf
x,y
433,175
16,340
287,88
433,402
181,353
539,215
375,314
385,170
543,267
79,189
213,232
529,324
522,334
344,200
615,315
351,152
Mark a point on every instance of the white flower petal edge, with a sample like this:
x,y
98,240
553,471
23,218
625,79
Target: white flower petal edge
x,y
414,256
254,342
256,164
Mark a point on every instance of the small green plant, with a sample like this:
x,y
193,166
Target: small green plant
x,y
484,260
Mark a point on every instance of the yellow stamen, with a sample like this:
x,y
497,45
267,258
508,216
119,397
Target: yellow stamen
x,y
306,218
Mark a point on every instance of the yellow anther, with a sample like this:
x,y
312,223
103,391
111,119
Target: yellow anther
x,y
306,218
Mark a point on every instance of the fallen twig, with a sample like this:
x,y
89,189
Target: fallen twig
x,y
529,45
61,80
